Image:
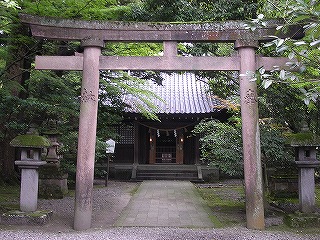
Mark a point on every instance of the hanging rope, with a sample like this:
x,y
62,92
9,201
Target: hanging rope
x,y
167,129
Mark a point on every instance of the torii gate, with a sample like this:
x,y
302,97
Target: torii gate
x,y
94,34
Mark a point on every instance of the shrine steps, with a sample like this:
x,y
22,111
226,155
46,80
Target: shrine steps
x,y
167,172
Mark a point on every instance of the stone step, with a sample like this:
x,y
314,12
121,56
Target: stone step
x,y
166,176
191,174
160,173
167,167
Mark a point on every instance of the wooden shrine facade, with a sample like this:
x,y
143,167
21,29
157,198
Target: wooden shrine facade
x,y
185,101
94,34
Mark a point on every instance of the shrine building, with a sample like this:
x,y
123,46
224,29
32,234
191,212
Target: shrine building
x,y
166,149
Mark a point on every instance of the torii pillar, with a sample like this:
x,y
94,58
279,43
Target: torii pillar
x,y
87,133
251,135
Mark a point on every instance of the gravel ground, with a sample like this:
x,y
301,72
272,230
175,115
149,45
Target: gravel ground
x,y
107,206
143,233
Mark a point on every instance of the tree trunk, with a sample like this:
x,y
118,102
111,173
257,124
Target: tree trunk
x,y
18,63
7,156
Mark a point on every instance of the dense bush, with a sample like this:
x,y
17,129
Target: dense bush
x,y
221,146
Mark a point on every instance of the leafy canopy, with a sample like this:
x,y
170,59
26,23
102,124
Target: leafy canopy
x,y
303,53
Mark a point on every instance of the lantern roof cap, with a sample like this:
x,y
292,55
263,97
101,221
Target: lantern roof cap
x,y
303,139
30,140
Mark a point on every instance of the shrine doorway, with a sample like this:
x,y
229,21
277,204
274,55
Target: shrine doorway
x,y
166,149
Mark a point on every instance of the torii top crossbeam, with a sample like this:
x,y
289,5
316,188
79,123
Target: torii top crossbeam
x,y
228,31
168,33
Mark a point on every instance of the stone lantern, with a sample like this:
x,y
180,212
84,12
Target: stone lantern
x,y
53,181
30,146
52,156
305,144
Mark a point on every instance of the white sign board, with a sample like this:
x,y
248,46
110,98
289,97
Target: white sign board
x,y
111,144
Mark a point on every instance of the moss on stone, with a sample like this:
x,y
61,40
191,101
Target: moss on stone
x,y
303,139
302,220
26,218
32,141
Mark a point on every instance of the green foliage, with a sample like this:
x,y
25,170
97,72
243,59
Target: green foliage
x,y
132,49
84,9
302,53
190,10
221,146
7,9
56,96
10,108
283,104
110,111
139,97
274,152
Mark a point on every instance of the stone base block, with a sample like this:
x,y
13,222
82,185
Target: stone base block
x,y
284,186
26,218
52,188
302,220
210,174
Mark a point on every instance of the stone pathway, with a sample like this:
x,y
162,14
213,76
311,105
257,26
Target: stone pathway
x,y
166,204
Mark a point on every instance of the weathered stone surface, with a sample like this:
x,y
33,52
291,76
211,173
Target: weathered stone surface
x,y
68,29
303,139
284,186
156,63
87,138
24,218
31,141
52,182
251,139
302,220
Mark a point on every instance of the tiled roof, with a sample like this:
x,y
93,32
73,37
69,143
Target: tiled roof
x,y
181,94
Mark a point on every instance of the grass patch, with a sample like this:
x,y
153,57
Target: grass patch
x,y
9,193
71,193
302,231
227,204
317,192
224,198
9,198
216,222
134,190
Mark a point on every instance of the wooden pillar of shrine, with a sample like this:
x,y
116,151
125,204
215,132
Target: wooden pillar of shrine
x,y
136,143
179,147
153,145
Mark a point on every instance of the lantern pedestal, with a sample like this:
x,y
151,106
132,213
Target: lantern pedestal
x,y
30,146
29,184
307,185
